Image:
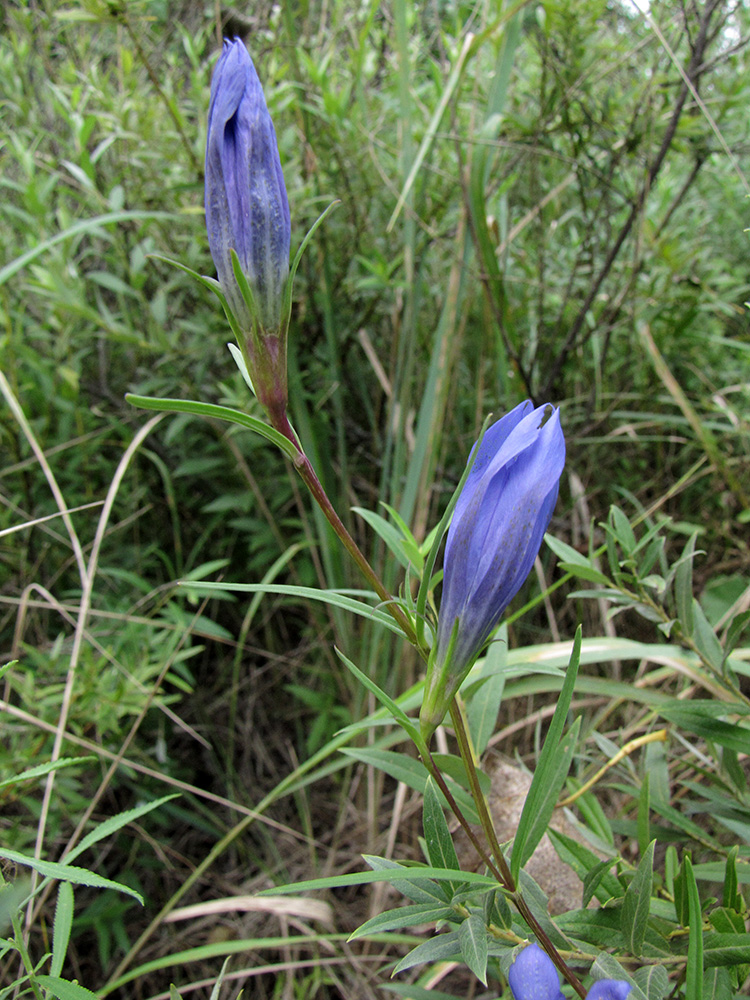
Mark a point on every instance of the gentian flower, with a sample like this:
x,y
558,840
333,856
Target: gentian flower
x,y
495,534
247,211
533,976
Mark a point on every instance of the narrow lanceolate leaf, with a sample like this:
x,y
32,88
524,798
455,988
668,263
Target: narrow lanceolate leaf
x,y
551,771
396,711
705,639
69,873
732,735
440,849
730,898
643,818
637,902
405,916
41,769
61,927
694,970
425,893
472,937
437,949
683,585
115,823
418,874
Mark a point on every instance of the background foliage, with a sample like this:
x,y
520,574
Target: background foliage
x,y
542,200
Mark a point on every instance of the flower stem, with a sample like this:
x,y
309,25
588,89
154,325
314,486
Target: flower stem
x,y
507,880
280,422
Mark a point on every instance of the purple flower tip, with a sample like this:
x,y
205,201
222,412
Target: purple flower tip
x,y
533,976
609,989
247,209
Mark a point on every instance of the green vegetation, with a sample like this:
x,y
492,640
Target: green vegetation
x,y
541,200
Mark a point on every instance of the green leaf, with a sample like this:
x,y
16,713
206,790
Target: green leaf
x,y
727,734
115,823
84,226
725,920
724,949
440,850
637,903
232,416
694,969
643,808
550,774
622,531
583,861
734,632
472,939
572,561
333,597
496,910
423,893
705,639
453,767
404,916
438,949
418,874
399,716
390,535
594,877
717,984
63,989
730,897
652,980
68,873
41,769
683,585
61,927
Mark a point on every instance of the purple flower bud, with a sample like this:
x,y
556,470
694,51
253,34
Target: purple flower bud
x,y
246,202
609,989
533,976
498,525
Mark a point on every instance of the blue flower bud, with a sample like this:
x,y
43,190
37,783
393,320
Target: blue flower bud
x,y
533,976
247,209
495,534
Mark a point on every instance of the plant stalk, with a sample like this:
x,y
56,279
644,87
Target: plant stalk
x,y
507,880
280,421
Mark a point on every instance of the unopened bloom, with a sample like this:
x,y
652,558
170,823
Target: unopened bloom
x,y
247,209
533,976
495,534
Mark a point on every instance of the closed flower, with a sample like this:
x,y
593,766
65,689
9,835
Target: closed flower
x,y
533,976
247,209
495,534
